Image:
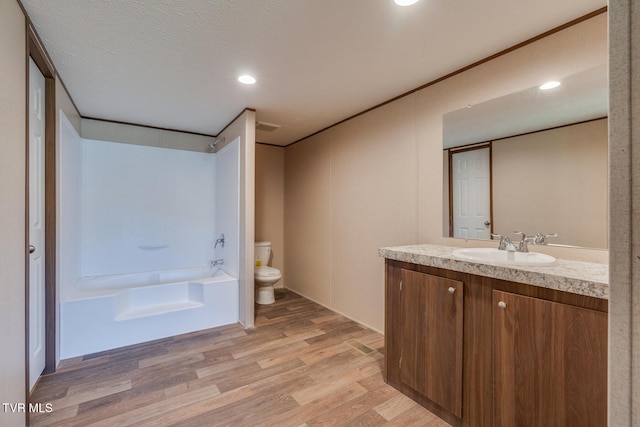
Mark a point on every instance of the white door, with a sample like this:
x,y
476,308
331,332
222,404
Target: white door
x,y
471,193
36,224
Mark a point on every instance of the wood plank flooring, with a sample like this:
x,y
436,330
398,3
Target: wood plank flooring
x,y
302,365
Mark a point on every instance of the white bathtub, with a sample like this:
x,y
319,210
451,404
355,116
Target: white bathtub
x,y
106,312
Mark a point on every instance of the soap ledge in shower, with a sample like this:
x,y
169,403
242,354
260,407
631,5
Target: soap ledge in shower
x,y
158,309
153,247
149,301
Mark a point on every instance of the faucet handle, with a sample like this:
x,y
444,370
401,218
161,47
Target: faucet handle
x,y
501,237
525,238
219,240
541,238
503,241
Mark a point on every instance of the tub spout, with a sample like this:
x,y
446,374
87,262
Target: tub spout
x,y
216,263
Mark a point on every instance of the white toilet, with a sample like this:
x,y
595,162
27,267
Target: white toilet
x,y
264,275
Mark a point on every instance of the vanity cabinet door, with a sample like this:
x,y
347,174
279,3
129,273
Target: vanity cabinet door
x,y
431,338
550,363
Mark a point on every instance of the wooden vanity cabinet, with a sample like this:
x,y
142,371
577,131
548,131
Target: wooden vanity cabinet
x,y
549,363
539,361
431,338
425,360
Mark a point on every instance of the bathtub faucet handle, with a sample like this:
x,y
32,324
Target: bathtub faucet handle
x,y
219,240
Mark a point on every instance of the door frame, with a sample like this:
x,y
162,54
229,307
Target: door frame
x,y
450,152
35,50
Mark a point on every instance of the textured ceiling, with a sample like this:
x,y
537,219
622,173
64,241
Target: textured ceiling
x,y
173,63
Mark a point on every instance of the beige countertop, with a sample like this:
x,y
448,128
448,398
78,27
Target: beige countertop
x,y
578,277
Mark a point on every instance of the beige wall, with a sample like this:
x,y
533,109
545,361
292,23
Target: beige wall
x,y
270,202
12,208
376,180
553,182
307,217
349,191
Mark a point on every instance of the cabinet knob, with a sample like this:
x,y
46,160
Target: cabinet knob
x,y
502,304
452,290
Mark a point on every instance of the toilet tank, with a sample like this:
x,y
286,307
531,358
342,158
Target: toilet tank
x,y
262,253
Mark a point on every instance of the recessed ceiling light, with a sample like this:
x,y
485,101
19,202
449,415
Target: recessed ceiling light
x,y
405,2
246,79
549,85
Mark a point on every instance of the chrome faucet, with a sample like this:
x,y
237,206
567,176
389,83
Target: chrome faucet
x,y
216,263
507,245
219,240
524,241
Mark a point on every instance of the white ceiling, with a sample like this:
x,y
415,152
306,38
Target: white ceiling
x,y
173,63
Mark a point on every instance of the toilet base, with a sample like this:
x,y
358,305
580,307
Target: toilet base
x,y
265,295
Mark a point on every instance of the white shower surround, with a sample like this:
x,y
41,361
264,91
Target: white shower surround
x,y
145,208
137,230
227,205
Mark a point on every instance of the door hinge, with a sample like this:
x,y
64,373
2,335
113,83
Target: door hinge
x,y
400,284
400,362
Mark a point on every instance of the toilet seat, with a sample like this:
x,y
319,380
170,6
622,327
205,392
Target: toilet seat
x,y
266,271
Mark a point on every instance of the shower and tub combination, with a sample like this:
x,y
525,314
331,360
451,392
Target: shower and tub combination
x,y
114,311
149,242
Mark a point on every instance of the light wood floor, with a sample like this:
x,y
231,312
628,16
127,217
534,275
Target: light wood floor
x,y
303,365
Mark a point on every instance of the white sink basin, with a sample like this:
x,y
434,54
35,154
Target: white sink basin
x,y
495,256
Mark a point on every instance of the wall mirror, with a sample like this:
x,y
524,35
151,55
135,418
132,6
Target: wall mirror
x,y
533,161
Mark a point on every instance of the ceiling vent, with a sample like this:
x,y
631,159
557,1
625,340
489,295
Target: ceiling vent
x,y
267,127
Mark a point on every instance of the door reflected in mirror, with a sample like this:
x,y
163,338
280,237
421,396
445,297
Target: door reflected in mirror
x,y
534,161
470,192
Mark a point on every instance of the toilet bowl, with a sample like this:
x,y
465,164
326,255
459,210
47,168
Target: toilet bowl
x,y
264,276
